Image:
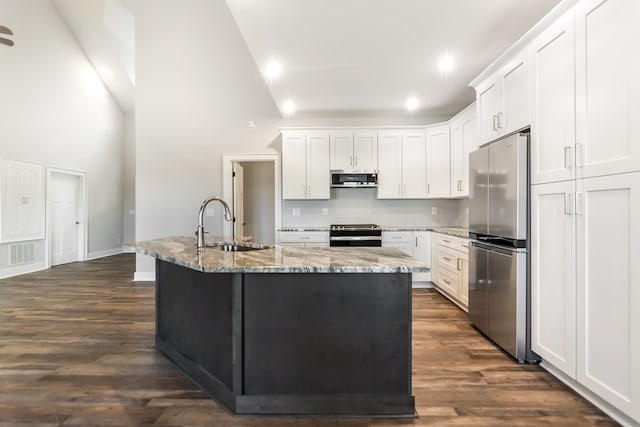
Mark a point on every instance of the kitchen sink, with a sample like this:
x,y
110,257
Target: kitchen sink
x,y
238,247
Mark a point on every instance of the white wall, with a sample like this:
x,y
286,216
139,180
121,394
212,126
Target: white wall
x,y
55,110
258,201
128,179
197,87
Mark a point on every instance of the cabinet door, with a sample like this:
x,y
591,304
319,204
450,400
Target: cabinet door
x,y
294,166
489,103
463,142
516,100
447,280
463,279
12,203
342,150
608,274
434,258
365,150
23,209
438,162
414,153
389,165
553,281
553,124
318,176
608,87
422,252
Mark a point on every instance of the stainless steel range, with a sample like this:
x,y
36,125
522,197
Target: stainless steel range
x,y
355,235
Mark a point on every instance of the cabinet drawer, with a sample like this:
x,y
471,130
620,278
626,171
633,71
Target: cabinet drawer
x,y
449,241
448,281
396,237
303,237
464,246
448,259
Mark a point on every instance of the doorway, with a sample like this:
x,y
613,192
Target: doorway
x,y
251,184
67,231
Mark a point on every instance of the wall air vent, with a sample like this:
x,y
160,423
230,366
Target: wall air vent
x,y
4,32
22,253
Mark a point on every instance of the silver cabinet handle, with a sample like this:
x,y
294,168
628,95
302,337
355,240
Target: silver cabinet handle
x,y
304,189
399,190
567,157
458,264
429,188
500,120
579,155
446,281
495,119
580,203
305,237
350,160
405,189
447,259
446,241
416,242
567,204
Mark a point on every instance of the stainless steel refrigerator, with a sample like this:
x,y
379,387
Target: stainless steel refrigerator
x,y
498,254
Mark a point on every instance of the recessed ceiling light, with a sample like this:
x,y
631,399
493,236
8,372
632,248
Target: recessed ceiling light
x,y
412,103
272,70
288,108
446,63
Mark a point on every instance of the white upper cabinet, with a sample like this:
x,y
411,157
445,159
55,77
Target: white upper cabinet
x,y
390,165
553,276
608,274
503,101
305,165
463,141
354,150
23,213
438,162
413,165
553,122
608,87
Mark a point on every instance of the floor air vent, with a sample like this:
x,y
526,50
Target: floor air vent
x,y
22,253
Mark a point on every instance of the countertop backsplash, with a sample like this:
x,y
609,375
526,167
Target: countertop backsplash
x,y
359,206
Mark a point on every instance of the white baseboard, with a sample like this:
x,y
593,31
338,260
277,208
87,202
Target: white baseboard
x,y
144,276
22,269
603,405
102,254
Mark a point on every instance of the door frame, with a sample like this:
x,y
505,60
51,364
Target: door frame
x,y
227,184
83,238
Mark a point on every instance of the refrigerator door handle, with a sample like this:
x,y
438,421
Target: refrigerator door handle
x,y
494,248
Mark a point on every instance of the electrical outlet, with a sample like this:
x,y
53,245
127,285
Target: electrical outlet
x,y
434,210
210,212
325,211
296,211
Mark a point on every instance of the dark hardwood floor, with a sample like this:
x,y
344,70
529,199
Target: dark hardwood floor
x,y
76,349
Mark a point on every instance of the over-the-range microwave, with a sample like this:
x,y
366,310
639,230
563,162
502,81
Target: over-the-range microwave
x,y
354,178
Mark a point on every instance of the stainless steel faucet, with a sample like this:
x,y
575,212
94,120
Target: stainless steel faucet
x,y
227,216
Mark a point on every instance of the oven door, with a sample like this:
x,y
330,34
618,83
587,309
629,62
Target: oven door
x,y
344,241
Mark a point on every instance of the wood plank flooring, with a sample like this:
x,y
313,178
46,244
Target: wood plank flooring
x,y
76,349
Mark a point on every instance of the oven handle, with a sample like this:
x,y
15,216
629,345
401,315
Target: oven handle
x,y
354,238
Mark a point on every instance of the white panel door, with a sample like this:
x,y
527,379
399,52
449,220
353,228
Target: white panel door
x,y
608,87
318,169
422,252
294,166
516,100
414,154
457,157
341,150
389,165
553,278
438,162
23,213
489,104
65,220
365,150
553,121
608,275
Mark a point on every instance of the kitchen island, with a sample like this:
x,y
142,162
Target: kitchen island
x,y
295,331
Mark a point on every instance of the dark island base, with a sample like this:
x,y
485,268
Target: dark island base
x,y
323,344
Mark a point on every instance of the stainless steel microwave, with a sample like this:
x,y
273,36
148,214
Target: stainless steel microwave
x,y
354,178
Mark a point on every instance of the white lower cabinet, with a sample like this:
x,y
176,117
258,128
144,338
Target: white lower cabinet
x,y
585,275
23,211
305,239
414,243
450,272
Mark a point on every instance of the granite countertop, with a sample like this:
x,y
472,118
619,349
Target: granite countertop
x,y
279,259
451,231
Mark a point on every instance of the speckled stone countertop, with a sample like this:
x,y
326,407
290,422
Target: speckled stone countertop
x,y
451,231
279,259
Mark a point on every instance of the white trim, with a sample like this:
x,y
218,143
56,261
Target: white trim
x,y
144,276
371,127
227,183
23,269
597,401
83,250
105,253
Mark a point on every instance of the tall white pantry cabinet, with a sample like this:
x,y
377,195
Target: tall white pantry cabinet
x,y
586,200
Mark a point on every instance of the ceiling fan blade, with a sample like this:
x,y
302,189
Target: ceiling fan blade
x,y
6,41
5,30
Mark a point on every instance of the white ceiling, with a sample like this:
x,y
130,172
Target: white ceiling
x,y
366,57
341,58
